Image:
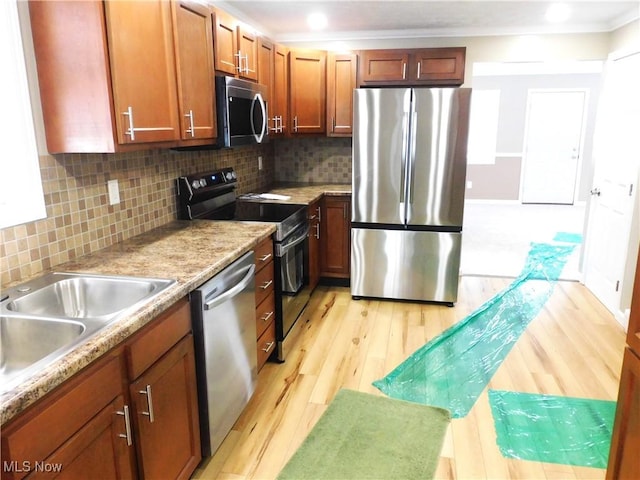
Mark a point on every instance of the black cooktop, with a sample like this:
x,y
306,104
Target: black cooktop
x,y
255,211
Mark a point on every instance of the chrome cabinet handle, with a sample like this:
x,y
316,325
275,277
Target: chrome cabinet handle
x,y
267,316
333,124
266,257
282,127
404,71
266,285
130,131
191,130
319,216
419,68
268,347
317,231
127,424
149,412
240,57
295,123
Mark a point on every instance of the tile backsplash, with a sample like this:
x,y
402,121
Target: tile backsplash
x,y
79,218
316,159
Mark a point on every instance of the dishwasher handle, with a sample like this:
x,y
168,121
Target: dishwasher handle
x,y
233,291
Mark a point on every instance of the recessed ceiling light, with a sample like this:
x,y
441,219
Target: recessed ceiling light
x,y
558,12
317,21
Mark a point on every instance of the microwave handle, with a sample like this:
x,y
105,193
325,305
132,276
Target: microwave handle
x,y
260,101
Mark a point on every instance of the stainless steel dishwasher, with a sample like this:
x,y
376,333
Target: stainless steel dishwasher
x,y
224,330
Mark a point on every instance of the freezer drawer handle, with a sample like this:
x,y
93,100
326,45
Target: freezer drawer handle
x,y
211,304
149,412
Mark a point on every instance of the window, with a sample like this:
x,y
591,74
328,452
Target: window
x,y
483,127
21,197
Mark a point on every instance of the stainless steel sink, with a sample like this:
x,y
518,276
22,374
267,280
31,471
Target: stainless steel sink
x,y
82,296
44,319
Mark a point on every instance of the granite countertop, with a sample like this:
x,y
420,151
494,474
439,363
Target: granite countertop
x,y
306,193
190,252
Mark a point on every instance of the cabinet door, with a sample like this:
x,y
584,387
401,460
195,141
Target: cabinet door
x,y
103,445
341,80
279,109
194,58
336,241
247,53
307,69
383,66
314,215
166,415
265,68
225,43
624,461
633,330
439,66
143,71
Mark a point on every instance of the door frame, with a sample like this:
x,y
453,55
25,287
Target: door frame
x,y
579,166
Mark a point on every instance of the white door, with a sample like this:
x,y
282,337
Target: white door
x,y
616,153
555,120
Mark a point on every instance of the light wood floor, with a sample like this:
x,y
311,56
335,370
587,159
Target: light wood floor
x,y
574,348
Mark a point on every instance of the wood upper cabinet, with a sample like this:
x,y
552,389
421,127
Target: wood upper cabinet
x,y
307,91
341,80
236,48
428,67
108,74
314,215
624,462
193,37
225,42
265,76
279,106
247,53
143,71
335,236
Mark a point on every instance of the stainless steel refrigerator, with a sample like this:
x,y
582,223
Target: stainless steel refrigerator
x,y
409,167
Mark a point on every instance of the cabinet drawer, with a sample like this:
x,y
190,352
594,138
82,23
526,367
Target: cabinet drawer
x,y
264,283
265,314
38,432
266,344
157,338
264,254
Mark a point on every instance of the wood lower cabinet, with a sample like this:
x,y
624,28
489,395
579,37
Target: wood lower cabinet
x,y
99,423
426,67
624,461
314,215
341,80
307,91
108,75
336,237
265,302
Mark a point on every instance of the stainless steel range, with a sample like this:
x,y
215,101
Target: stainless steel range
x,y
211,196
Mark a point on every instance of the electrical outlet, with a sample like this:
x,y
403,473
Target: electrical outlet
x,y
469,184
260,162
114,192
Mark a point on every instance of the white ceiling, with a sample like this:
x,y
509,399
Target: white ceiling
x,y
285,20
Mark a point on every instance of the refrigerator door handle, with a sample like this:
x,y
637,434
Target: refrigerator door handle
x,y
412,156
403,163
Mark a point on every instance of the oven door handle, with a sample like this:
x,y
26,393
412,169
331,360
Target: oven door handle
x,y
233,291
281,249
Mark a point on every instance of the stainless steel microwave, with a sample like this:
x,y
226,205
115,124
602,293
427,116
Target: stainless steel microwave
x,y
242,112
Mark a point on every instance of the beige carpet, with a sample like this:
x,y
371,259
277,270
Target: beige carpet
x,y
496,237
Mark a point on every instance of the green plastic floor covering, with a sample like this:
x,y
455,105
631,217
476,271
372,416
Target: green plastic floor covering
x,y
453,369
553,429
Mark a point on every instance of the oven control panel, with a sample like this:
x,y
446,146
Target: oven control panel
x,y
212,179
